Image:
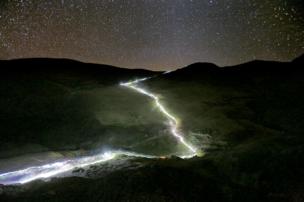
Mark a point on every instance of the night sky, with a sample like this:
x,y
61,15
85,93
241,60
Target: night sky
x,y
154,34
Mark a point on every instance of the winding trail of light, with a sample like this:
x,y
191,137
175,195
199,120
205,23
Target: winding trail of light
x,y
64,166
174,125
54,169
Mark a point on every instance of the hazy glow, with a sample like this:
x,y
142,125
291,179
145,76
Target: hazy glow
x,y
174,125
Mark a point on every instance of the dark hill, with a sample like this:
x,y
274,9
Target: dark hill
x,y
54,68
201,71
254,114
299,60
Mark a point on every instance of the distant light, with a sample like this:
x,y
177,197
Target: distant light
x,y
167,72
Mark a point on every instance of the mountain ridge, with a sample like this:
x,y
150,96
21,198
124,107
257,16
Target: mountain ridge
x,y
209,67
249,69
50,67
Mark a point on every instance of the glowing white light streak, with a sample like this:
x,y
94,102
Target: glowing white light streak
x,y
172,120
54,169
167,72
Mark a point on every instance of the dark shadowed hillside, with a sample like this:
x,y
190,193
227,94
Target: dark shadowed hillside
x,y
254,114
69,72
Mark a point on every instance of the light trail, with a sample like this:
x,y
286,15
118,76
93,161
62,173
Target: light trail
x,y
174,124
55,169
62,167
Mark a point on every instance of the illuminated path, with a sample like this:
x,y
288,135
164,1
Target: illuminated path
x,y
62,167
172,119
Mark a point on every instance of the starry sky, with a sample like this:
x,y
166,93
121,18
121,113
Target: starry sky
x,y
152,34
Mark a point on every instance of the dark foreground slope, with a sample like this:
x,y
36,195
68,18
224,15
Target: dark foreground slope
x,y
254,114
250,119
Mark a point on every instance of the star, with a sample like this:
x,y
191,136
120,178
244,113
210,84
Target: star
x,y
153,34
